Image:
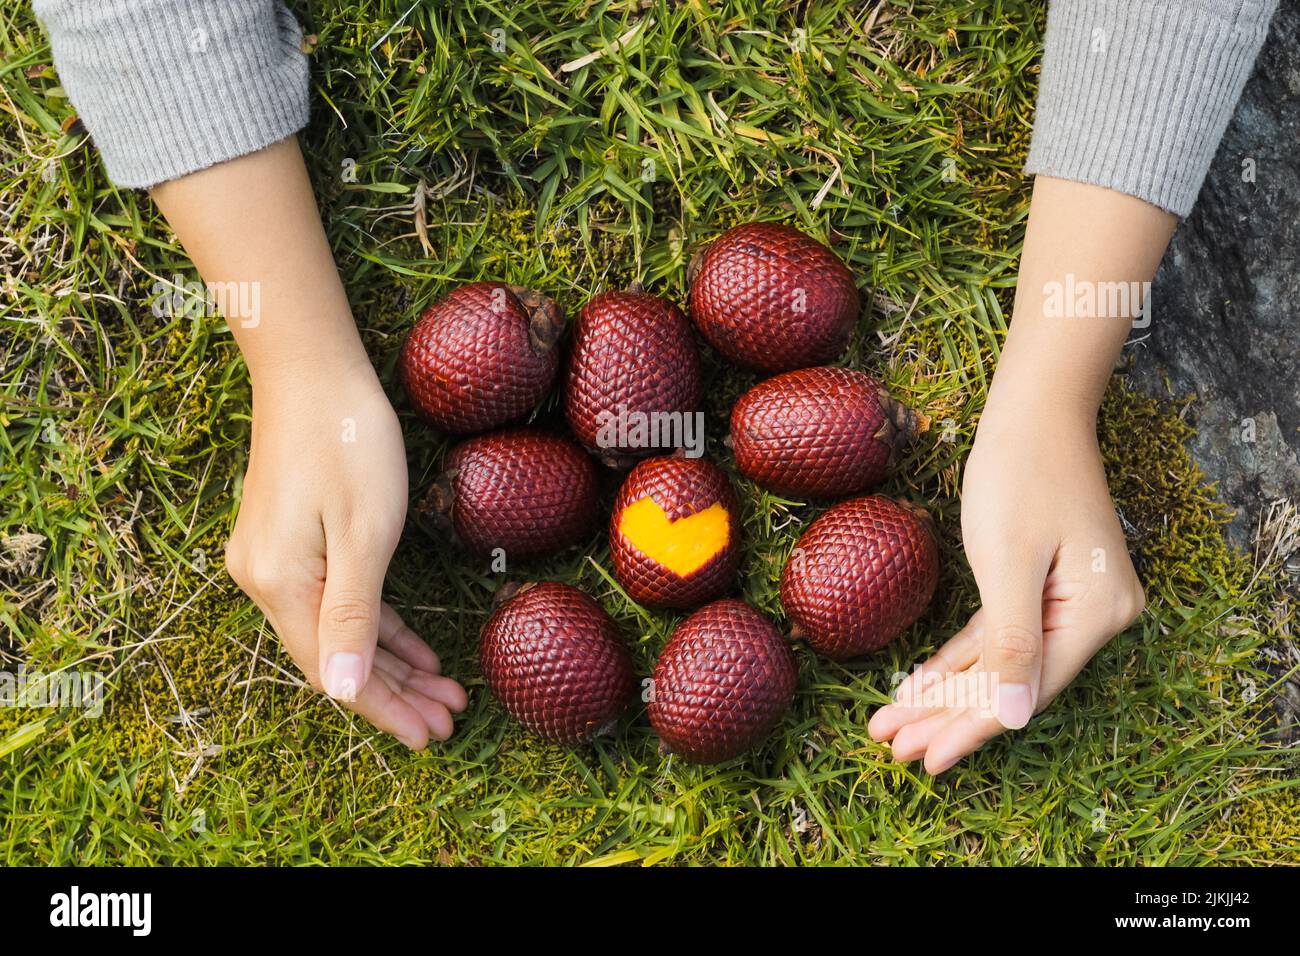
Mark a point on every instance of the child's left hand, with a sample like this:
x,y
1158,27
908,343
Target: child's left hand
x,y
1054,576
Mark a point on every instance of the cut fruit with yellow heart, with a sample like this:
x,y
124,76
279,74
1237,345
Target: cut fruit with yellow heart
x,y
682,546
673,537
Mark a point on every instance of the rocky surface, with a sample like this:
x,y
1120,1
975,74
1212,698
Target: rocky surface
x,y
1225,323
1225,329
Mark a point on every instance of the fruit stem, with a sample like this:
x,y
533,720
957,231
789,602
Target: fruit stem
x,y
616,462
545,320
693,267
507,591
433,511
901,425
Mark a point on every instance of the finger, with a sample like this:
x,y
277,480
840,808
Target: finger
x,y
350,610
1012,595
392,713
295,622
920,695
958,693
965,733
404,677
291,612
1067,648
442,689
915,699
952,691
1065,652
957,653
435,715
913,740
405,643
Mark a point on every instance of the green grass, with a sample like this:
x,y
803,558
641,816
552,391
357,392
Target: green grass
x,y
897,131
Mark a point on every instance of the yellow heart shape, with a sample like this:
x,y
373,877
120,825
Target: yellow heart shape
x,y
682,546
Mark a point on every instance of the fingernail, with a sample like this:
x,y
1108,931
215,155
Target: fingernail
x,y
1015,705
409,742
344,674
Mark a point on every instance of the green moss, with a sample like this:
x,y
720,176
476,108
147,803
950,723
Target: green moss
x,y
1175,524
1261,826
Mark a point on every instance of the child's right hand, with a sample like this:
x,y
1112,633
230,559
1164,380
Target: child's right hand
x,y
325,493
324,501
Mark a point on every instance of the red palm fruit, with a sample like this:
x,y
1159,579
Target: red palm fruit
x,y
860,575
724,680
674,536
771,298
819,432
528,493
554,659
633,363
482,357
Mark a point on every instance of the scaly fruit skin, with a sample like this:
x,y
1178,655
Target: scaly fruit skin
x,y
819,432
681,487
724,680
482,357
633,355
554,659
860,575
529,493
771,298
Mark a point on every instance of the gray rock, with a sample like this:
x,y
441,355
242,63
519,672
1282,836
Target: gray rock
x,y
1226,302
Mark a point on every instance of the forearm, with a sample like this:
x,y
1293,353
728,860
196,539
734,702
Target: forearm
x,y
1089,254
1133,99
253,222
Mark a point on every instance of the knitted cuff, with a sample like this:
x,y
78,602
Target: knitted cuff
x,y
1136,94
167,87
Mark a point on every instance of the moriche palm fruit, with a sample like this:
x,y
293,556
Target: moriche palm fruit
x,y
768,297
724,680
861,574
528,493
819,432
633,371
482,357
554,659
674,536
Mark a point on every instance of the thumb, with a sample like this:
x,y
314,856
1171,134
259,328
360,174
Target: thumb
x,y
349,624
1013,639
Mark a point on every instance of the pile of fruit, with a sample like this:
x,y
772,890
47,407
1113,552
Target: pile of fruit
x,y
766,297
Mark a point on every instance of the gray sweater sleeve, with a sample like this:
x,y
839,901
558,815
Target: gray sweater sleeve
x,y
1135,94
167,87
